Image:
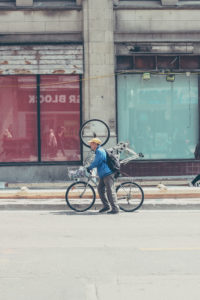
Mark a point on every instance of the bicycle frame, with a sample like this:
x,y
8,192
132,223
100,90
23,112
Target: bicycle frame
x,y
90,178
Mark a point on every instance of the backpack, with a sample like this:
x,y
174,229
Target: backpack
x,y
113,162
197,151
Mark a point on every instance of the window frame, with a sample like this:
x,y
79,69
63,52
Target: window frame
x,y
156,58
153,161
38,122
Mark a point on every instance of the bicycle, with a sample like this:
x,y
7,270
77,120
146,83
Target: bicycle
x,y
81,196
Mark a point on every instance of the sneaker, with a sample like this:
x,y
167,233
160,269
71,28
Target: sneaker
x,y
113,212
104,209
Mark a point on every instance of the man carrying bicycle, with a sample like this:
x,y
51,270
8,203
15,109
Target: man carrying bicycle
x,y
106,178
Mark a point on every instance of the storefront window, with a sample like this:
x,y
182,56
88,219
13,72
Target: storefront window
x,y
29,134
159,117
60,117
18,122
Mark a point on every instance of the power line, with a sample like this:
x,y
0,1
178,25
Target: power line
x,y
93,78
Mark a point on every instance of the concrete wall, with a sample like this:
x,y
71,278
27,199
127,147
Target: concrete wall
x,y
95,22
157,21
38,26
43,173
44,21
100,25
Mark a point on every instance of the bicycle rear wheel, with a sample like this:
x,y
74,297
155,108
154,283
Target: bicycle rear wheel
x,y
80,196
130,196
94,128
197,183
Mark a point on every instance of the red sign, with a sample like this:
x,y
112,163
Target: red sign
x,y
57,93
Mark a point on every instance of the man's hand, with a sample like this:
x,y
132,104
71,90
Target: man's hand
x,y
116,175
88,170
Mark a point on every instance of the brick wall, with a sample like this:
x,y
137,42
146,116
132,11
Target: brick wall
x,y
167,168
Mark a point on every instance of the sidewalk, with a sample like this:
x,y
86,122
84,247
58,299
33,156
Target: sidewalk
x,y
157,197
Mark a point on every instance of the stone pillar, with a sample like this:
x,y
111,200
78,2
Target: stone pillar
x,y
99,79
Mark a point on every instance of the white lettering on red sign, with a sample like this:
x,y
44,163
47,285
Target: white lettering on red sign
x,y
54,99
32,99
74,99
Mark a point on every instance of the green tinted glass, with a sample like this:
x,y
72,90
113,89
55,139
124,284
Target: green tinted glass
x,y
159,118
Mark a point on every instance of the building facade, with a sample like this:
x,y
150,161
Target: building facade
x,y
134,64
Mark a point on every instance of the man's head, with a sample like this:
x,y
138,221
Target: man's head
x,y
94,143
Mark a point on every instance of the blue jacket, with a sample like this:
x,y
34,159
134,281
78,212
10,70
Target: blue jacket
x,y
99,162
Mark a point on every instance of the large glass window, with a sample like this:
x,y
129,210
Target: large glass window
x,y
60,117
18,123
159,117
46,132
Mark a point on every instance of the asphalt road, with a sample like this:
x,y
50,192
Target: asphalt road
x,y
52,255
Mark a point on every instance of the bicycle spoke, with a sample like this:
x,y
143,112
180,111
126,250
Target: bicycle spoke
x,y
130,196
80,196
94,128
197,184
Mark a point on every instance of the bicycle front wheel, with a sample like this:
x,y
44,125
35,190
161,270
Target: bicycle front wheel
x,y
130,196
94,128
80,196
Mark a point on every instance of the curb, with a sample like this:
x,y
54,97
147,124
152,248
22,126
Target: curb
x,y
149,193
65,208
54,199
158,204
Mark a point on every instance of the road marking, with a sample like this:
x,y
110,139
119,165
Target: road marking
x,y
4,260
171,249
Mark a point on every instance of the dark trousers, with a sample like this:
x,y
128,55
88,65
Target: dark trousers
x,y
107,192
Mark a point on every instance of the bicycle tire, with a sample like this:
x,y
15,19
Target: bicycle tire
x,y
74,196
130,196
94,128
197,183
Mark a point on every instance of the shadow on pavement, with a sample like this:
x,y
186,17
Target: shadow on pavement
x,y
69,213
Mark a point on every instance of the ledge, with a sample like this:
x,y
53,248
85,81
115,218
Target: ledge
x,y
121,37
41,6
160,192
155,5
43,38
